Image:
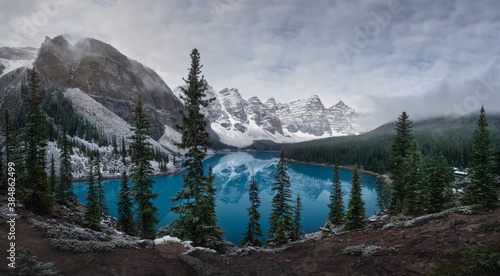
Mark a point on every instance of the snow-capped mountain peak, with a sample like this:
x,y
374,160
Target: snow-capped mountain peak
x,y
239,122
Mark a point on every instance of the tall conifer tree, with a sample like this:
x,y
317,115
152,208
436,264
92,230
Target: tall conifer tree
x,y
92,215
413,186
64,189
297,229
196,192
36,193
253,227
482,188
209,233
141,155
125,221
52,174
336,205
497,163
399,150
438,188
100,187
383,192
7,148
281,216
355,216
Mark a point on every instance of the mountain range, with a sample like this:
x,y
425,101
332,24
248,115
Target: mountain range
x,y
102,84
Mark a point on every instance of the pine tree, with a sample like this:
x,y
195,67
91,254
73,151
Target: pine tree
x,y
355,216
208,232
383,192
36,193
195,141
92,215
16,154
253,227
100,187
64,189
125,221
336,205
399,150
280,218
297,229
124,152
52,175
141,154
482,188
497,163
412,164
114,144
7,147
438,191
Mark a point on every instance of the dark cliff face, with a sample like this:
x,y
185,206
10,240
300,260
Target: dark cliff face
x,y
110,78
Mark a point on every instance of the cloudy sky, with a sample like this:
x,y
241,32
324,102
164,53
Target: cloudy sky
x,y
429,58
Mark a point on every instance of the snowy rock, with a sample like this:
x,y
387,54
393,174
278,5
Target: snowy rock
x,y
363,250
240,122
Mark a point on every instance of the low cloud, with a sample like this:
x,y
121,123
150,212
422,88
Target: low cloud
x,y
424,57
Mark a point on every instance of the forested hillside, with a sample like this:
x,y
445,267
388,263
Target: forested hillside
x,y
450,136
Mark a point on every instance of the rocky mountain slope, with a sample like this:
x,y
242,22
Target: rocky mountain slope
x,y
110,78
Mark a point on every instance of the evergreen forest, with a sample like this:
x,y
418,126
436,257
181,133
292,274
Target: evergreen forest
x,y
451,137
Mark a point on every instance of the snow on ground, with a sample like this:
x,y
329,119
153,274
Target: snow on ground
x,y
108,121
97,114
11,65
111,163
17,58
170,137
187,244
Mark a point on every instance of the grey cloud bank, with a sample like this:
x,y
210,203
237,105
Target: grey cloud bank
x,y
429,58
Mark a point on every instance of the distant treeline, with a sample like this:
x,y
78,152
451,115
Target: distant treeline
x,y
370,151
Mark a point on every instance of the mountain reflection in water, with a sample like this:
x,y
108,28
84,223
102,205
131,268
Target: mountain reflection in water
x,y
233,171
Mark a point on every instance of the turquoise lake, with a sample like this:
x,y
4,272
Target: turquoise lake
x,y
233,171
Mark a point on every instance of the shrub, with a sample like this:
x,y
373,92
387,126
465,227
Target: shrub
x,y
482,260
491,226
81,246
27,264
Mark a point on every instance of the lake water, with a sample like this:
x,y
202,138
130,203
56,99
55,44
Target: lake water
x,y
233,171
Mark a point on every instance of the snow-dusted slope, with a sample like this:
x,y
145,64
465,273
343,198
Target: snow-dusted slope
x,y
13,58
111,123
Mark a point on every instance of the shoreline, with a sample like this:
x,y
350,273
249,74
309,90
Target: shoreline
x,y
118,177
329,166
178,170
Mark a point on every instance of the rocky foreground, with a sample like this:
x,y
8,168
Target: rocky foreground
x,y
415,247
